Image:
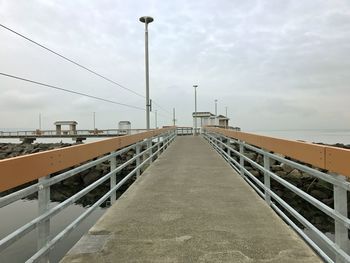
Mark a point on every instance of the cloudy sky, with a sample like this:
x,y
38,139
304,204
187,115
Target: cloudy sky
x,y
276,64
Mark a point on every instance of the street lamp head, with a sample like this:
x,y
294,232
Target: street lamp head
x,y
146,19
195,86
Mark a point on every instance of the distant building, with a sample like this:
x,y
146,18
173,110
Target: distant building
x,y
124,127
71,124
205,118
223,120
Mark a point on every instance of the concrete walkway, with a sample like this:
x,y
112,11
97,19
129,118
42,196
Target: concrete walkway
x,y
190,206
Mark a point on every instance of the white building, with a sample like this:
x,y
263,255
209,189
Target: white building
x,y
207,118
124,127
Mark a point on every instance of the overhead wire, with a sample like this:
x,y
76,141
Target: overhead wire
x,y
71,91
78,64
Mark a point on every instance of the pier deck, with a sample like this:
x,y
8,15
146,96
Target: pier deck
x,y
190,206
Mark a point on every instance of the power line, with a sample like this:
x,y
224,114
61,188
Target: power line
x,y
77,64
161,107
71,91
70,60
160,114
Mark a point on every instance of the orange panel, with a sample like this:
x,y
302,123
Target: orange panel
x,y
338,160
22,169
306,152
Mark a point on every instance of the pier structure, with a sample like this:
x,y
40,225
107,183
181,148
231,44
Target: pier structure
x,y
194,199
71,124
77,135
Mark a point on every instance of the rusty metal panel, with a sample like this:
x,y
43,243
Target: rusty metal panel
x,y
338,160
22,169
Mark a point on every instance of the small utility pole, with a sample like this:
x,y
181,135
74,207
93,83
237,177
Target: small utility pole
x,y
216,107
174,120
94,119
39,121
195,109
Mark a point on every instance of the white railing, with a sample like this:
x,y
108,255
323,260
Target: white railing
x,y
238,160
152,146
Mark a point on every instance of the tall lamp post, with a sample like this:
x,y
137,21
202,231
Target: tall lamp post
x,y
146,20
195,109
216,107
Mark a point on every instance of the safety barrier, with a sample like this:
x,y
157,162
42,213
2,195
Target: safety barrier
x,y
67,134
181,131
19,170
278,149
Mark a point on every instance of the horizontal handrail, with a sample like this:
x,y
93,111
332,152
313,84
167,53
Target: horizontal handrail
x,y
318,204
44,250
22,169
76,132
222,143
154,146
58,178
71,200
326,157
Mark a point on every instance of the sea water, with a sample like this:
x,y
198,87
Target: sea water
x,y
317,136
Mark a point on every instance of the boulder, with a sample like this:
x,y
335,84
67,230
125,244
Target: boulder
x,y
295,174
3,155
74,180
319,194
286,168
281,173
276,168
91,177
251,155
260,159
254,172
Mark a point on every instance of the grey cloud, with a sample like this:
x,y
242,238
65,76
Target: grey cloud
x,y
254,56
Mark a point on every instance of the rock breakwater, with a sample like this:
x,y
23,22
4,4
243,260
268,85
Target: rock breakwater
x,y
319,189
66,188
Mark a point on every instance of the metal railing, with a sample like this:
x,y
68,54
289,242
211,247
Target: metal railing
x,y
154,143
184,131
68,133
223,142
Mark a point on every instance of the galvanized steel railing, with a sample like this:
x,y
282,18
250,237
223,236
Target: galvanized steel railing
x,y
8,168
222,140
181,131
68,133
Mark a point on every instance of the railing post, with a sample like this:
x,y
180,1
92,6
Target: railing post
x,y
158,145
138,159
267,179
144,151
216,141
340,206
113,179
228,150
241,159
166,141
44,206
149,145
